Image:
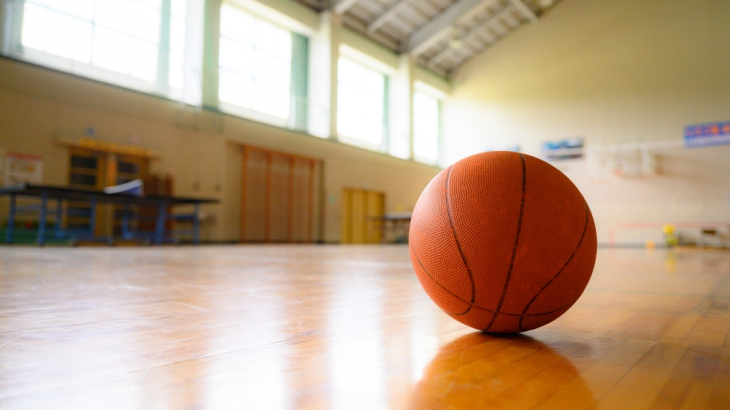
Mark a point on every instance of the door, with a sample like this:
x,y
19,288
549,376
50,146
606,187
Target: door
x,y
362,213
280,197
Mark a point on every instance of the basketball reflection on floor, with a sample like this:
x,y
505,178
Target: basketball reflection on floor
x,y
511,372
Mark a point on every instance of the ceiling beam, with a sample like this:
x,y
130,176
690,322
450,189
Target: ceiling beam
x,y
341,6
471,34
442,25
525,11
387,15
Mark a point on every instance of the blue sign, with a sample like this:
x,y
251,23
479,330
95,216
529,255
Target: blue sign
x,y
705,135
569,148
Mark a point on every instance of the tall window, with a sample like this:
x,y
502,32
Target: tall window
x,y
135,43
118,35
426,127
255,61
360,104
178,17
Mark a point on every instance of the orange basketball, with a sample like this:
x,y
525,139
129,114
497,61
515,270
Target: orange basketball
x,y
503,242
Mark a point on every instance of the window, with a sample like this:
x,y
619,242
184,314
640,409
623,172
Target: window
x,y
178,15
361,104
426,127
121,36
255,63
262,70
139,44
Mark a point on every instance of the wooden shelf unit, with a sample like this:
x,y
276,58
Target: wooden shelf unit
x,y
95,164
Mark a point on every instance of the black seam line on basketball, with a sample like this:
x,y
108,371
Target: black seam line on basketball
x,y
517,242
458,244
473,304
413,250
528,315
580,241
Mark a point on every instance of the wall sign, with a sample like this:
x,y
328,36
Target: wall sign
x,y
705,135
23,168
568,148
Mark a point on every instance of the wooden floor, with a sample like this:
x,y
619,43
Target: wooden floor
x,y
346,327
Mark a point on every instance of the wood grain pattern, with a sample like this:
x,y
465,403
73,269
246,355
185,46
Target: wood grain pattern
x,y
346,327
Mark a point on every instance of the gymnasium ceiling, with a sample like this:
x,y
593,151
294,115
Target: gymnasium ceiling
x,y
441,34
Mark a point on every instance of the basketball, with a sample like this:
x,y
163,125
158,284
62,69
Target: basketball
x,y
502,242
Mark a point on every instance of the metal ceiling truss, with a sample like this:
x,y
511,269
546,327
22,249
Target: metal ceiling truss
x,y
387,15
526,11
423,38
474,32
440,34
341,6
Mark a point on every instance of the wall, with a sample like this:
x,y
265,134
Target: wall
x,y
611,71
201,148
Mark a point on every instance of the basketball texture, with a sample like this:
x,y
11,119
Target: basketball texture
x,y
502,242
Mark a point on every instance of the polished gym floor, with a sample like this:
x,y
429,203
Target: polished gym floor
x,y
346,327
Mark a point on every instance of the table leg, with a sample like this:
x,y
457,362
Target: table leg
x,y
161,219
134,230
42,219
11,221
59,215
125,222
92,216
196,225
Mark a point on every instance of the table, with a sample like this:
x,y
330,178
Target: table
x,y
95,197
397,223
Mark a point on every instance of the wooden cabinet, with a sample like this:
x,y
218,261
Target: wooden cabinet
x,y
86,170
95,165
126,168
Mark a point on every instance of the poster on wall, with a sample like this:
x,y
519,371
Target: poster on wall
x,y
22,168
559,150
706,135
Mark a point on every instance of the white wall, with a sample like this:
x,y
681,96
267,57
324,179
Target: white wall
x,y
612,71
